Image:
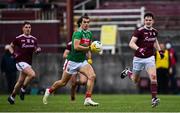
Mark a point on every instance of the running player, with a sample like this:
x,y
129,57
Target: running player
x,y
23,48
143,41
76,79
76,62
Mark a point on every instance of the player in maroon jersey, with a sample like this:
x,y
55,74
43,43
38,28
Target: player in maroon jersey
x,y
76,79
143,41
23,48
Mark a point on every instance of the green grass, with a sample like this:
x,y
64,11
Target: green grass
x,y
108,103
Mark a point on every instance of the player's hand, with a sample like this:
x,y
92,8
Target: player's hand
x,y
89,61
14,55
38,50
94,49
141,51
161,52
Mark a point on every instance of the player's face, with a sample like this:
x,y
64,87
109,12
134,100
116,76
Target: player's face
x,y
85,24
148,21
27,29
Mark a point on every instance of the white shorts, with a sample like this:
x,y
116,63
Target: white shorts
x,y
22,65
73,67
143,63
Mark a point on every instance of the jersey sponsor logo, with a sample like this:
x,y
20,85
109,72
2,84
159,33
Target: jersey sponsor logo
x,y
85,41
150,39
27,46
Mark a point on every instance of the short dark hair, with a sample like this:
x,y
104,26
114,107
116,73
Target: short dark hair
x,y
149,14
81,18
26,22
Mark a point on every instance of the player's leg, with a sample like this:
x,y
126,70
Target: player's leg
x,y
88,71
17,86
73,86
82,79
30,74
137,68
75,82
153,78
60,83
151,70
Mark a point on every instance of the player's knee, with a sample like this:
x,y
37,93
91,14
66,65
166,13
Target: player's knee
x,y
33,75
63,83
153,77
92,77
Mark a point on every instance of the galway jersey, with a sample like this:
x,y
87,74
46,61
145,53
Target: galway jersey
x,y
85,38
146,39
24,48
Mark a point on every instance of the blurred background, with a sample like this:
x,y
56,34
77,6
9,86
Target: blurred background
x,y
53,22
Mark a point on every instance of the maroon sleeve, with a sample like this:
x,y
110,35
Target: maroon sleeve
x,y
36,43
15,42
136,33
68,46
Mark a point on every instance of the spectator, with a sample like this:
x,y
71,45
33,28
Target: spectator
x,y
172,68
8,67
162,65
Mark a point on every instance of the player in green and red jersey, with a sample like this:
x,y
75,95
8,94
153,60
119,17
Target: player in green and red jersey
x,y
76,62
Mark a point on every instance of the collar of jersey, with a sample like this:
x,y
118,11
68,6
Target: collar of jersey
x,y
148,28
85,31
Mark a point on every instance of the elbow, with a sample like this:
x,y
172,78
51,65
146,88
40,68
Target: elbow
x,y
76,47
64,56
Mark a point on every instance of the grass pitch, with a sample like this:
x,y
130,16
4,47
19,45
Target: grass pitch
x,y
108,103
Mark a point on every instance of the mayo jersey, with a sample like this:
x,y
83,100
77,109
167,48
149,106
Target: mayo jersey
x,y
85,38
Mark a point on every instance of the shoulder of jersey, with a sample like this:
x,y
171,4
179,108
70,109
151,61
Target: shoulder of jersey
x,y
25,36
141,28
154,29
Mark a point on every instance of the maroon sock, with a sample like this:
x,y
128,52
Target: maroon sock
x,y
153,90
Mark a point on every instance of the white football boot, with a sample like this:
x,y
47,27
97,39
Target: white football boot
x,y
155,102
46,95
90,102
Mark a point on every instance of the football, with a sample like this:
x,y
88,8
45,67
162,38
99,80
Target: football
x,y
96,46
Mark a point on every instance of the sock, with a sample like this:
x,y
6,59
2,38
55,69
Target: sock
x,y
129,73
13,95
88,95
153,90
23,90
50,90
24,87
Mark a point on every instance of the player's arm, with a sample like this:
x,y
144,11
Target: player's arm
x,y
132,43
65,54
11,48
89,57
37,49
161,52
79,47
156,45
